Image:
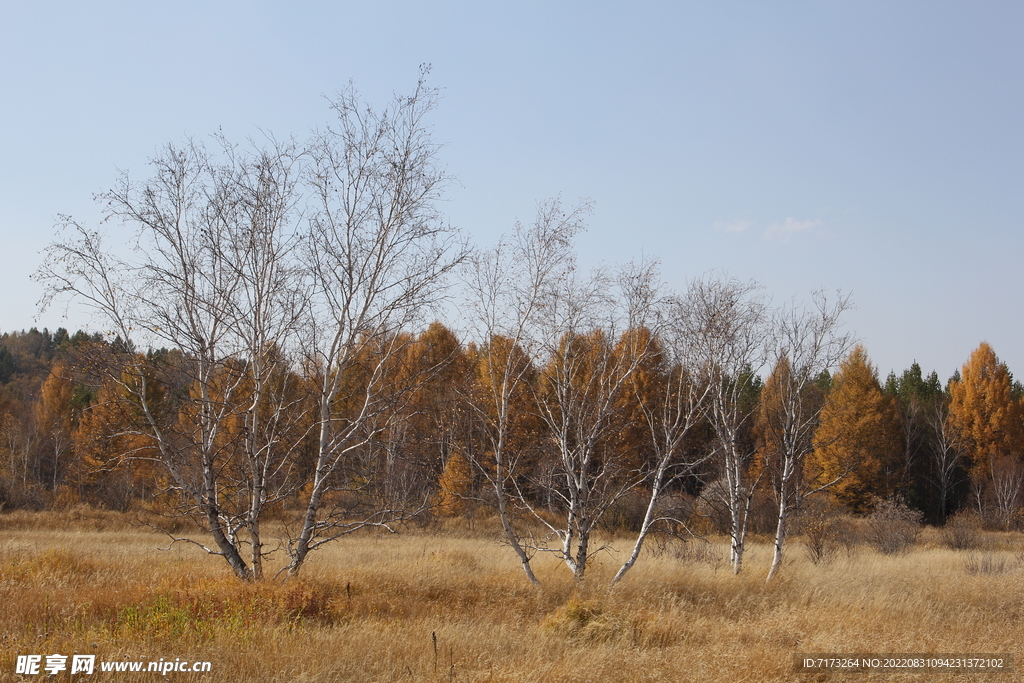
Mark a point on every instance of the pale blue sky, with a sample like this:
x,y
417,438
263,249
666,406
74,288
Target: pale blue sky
x,y
872,147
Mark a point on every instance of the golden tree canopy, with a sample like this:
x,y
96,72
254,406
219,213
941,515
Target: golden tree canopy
x,y
982,413
857,437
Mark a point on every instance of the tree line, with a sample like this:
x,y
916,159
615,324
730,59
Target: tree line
x,y
265,355
609,433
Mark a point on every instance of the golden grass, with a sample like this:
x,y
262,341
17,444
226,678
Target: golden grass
x,y
450,605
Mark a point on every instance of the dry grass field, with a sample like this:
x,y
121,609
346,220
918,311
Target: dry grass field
x,y
449,604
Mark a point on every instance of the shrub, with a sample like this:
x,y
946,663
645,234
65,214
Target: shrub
x,y
893,527
820,541
822,530
625,514
962,531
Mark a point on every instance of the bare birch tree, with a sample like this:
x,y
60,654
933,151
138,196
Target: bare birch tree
x,y
585,376
568,346
728,323
236,254
809,341
1006,474
507,288
208,277
944,453
670,414
377,252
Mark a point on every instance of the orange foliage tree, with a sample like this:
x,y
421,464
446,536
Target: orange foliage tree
x,y
56,417
857,436
426,417
455,486
114,461
986,423
982,411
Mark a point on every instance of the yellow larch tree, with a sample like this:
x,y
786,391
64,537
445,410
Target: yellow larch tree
x,y
115,460
455,485
857,438
438,373
646,388
982,413
55,420
985,422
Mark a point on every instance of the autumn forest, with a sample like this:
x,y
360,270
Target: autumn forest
x,y
267,378
72,436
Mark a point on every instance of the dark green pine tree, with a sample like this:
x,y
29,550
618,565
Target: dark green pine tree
x,y
927,481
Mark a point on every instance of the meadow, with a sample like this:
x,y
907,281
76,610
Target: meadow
x,y
447,602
